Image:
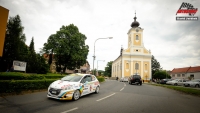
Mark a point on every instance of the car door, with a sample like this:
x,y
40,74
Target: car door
x,y
86,87
179,82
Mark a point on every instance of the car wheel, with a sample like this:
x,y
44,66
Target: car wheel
x,y
97,90
76,95
197,85
140,83
175,84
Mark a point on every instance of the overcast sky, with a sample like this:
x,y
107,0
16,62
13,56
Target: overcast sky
x,y
174,44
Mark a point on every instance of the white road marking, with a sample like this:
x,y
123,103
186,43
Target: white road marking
x,y
70,110
106,97
121,89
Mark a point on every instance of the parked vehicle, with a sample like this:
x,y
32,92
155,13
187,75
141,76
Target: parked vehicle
x,y
192,83
136,79
124,79
182,81
163,81
173,82
73,86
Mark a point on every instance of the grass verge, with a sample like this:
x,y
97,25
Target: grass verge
x,y
186,90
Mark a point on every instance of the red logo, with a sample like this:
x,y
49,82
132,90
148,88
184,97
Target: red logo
x,y
187,8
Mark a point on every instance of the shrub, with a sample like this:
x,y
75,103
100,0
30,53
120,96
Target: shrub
x,y
9,86
100,78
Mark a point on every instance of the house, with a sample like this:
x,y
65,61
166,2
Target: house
x,y
186,73
83,69
136,59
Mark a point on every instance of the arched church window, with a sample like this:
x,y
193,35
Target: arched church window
x,y
136,66
127,65
137,37
145,67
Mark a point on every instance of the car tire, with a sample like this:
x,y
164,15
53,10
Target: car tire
x,y
197,85
97,90
140,83
76,95
175,84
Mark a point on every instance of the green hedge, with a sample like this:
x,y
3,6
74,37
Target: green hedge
x,y
100,78
27,76
10,86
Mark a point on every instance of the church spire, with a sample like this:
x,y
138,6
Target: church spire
x,y
135,23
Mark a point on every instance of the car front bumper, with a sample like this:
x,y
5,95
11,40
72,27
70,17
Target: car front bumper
x,y
63,95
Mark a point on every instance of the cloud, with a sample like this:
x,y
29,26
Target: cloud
x,y
173,43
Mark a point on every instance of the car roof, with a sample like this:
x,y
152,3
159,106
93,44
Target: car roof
x,y
79,74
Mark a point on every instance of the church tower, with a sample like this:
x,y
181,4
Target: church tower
x,y
136,59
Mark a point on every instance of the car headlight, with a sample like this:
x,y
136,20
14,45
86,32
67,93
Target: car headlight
x,y
68,88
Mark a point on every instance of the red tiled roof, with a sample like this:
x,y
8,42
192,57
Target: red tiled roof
x,y
180,70
194,69
186,69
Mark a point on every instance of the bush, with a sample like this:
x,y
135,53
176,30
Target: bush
x,y
10,86
27,76
100,78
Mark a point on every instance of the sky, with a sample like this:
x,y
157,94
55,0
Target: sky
x,y
175,44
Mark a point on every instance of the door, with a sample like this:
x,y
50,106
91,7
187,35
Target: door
x,y
86,84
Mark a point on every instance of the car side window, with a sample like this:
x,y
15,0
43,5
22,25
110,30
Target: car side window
x,y
93,78
88,78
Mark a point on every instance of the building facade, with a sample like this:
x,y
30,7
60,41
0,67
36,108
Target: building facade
x,y
186,73
136,59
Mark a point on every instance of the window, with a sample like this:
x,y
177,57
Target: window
x,y
137,37
137,50
178,75
173,75
87,78
127,65
136,66
145,67
192,75
93,78
183,75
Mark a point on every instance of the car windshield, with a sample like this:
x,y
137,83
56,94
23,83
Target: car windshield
x,y
72,78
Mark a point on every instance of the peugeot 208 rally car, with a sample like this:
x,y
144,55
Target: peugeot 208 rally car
x,y
73,86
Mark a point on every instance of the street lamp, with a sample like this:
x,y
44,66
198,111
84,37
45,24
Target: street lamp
x,y
97,66
94,50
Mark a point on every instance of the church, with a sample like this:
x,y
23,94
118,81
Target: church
x,y
136,59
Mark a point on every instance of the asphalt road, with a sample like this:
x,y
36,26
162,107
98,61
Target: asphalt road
x,y
114,97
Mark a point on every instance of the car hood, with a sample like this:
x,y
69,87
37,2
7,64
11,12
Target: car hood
x,y
60,84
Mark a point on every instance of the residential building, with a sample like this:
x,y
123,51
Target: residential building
x,y
136,59
83,69
186,73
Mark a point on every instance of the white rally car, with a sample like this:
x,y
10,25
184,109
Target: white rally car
x,y
73,86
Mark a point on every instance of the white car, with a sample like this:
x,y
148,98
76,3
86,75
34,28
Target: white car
x,y
193,83
73,86
173,82
124,79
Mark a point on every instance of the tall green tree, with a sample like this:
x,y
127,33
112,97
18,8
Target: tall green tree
x,y
14,45
155,65
32,63
68,47
108,69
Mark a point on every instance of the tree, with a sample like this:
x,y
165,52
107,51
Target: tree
x,y
108,69
161,74
68,47
155,65
14,45
32,63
